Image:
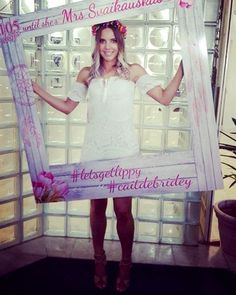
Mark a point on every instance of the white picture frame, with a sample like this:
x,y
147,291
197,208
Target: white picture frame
x,y
195,170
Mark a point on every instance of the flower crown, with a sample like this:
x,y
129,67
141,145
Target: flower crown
x,y
115,23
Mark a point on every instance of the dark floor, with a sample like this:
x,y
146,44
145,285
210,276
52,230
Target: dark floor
x,y
204,256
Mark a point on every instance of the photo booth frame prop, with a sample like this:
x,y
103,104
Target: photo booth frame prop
x,y
195,170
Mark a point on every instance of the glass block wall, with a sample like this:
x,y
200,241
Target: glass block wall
x,y
54,60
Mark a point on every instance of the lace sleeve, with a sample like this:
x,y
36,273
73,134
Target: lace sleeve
x,y
78,92
146,83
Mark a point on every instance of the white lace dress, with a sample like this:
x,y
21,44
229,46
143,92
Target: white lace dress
x,y
110,131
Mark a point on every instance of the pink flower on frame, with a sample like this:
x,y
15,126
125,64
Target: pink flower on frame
x,y
60,187
185,3
47,189
46,177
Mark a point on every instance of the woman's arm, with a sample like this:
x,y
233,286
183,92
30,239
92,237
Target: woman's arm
x,y
65,106
163,96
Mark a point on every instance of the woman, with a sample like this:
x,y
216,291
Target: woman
x,y
109,85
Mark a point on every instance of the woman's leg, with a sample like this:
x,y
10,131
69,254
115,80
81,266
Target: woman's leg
x,y
98,228
98,223
125,225
125,230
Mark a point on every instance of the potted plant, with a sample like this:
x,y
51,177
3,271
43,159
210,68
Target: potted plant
x,y
226,210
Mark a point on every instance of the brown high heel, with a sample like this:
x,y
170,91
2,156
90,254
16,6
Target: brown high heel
x,y
100,277
123,279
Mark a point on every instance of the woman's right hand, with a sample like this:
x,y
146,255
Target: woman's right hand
x,y
35,86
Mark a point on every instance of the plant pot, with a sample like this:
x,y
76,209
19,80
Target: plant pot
x,y
226,214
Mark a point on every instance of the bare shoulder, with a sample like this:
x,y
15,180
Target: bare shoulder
x,y
136,71
83,75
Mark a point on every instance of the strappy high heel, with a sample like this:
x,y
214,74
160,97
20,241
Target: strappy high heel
x,y
123,279
100,277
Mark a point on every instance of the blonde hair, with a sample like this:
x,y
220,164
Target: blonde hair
x,y
122,67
